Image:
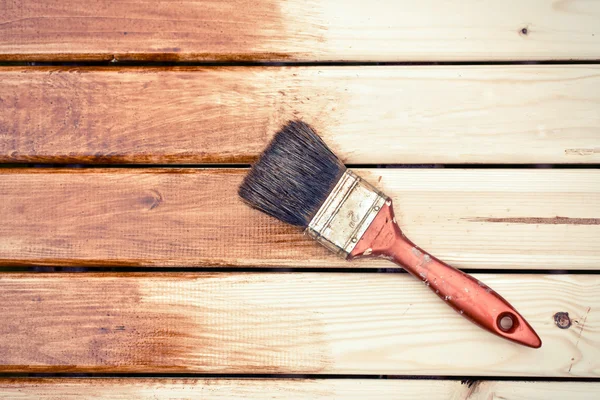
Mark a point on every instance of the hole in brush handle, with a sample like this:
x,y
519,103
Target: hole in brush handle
x,y
507,322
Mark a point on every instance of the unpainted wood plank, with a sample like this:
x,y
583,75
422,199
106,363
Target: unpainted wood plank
x,y
297,30
301,323
284,389
480,218
368,115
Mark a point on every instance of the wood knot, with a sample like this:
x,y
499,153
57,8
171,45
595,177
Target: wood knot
x,y
153,200
524,31
562,320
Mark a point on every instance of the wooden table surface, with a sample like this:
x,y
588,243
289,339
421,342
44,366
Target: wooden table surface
x,y
129,268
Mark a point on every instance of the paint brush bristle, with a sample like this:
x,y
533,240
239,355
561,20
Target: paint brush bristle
x,y
293,177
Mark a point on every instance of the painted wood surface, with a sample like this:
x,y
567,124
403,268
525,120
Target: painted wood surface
x,y
298,30
368,115
278,323
183,389
479,218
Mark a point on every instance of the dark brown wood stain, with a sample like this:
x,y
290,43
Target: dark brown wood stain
x,y
148,323
70,116
83,31
91,324
140,217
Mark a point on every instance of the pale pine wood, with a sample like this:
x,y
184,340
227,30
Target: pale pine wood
x,y
485,218
330,323
298,30
368,115
284,389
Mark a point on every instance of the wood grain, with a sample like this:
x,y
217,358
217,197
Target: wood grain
x,y
327,323
297,30
445,114
485,218
153,389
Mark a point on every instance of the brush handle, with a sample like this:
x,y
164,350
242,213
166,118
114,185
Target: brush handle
x,y
467,295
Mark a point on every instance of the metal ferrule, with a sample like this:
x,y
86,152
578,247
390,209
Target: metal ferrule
x,y
346,214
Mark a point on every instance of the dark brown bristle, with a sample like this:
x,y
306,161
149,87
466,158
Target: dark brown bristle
x,y
293,177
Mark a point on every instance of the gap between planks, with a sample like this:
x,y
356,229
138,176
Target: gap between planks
x,y
409,114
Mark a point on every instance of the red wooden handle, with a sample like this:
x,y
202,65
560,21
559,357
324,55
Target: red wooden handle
x,y
468,296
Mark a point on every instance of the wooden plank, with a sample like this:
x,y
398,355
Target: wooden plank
x,y
296,30
259,389
419,114
485,218
329,323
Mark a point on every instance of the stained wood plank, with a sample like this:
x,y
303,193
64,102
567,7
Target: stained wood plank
x,y
388,30
445,114
286,323
142,389
548,219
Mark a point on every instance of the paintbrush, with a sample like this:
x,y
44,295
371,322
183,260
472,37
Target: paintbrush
x,y
298,180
